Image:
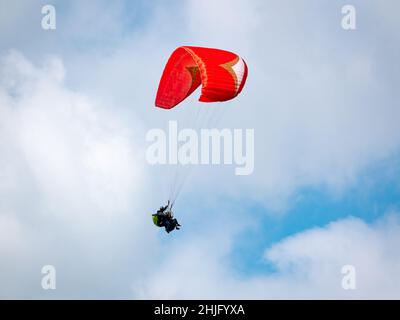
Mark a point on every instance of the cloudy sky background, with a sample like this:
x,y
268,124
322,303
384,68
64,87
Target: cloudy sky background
x,y
76,191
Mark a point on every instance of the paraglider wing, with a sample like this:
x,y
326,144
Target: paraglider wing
x,y
222,75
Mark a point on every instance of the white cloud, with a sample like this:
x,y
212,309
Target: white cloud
x,y
72,175
308,265
11,236
69,142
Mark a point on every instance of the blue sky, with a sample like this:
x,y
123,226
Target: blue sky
x,y
376,193
76,104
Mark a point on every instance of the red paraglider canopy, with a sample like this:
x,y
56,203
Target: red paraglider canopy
x,y
222,75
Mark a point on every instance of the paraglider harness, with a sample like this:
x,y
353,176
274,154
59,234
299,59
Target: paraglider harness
x,y
165,218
